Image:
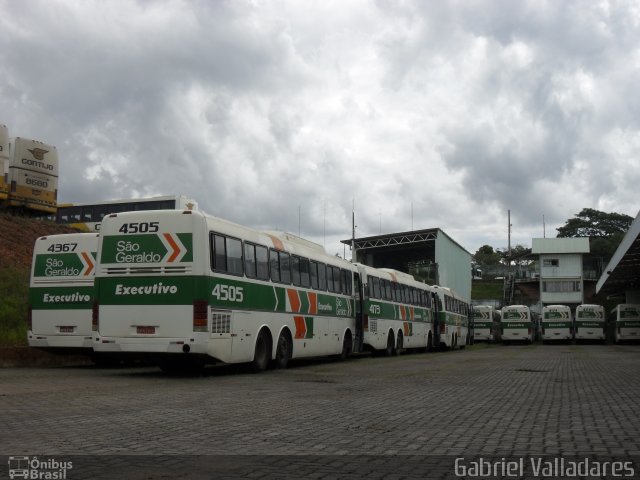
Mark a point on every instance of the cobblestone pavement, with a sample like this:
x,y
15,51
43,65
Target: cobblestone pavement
x,y
373,417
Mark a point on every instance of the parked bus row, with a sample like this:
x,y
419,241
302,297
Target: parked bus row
x,y
557,323
182,288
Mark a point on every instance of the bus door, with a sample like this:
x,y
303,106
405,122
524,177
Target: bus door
x,y
358,344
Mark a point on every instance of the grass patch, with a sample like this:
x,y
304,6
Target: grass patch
x,y
14,304
486,289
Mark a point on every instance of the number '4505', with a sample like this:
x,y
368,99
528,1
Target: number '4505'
x,y
140,227
228,293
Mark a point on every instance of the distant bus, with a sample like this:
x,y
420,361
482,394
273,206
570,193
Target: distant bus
x,y
516,324
557,323
483,322
589,323
453,317
61,292
398,311
4,163
87,217
33,176
627,322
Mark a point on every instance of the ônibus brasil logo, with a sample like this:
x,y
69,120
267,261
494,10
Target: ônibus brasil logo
x,y
148,248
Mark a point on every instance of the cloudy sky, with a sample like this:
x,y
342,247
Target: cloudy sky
x,y
285,114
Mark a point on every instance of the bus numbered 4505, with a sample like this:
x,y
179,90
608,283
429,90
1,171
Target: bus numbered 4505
x,y
185,287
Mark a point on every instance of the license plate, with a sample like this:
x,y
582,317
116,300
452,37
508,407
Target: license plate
x,y
146,330
66,329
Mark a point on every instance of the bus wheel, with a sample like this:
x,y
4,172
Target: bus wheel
x,y
284,350
347,346
262,353
399,344
391,345
429,343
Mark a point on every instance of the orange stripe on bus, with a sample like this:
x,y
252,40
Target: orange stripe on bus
x,y
301,327
277,243
294,300
87,258
174,245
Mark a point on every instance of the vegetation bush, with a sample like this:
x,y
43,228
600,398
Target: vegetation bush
x,y
14,304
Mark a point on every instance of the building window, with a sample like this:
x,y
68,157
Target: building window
x,y
551,262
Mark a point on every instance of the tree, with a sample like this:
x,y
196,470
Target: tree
x,y
594,223
485,255
605,230
520,255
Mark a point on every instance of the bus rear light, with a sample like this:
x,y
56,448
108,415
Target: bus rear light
x,y
95,316
443,328
200,316
365,322
30,318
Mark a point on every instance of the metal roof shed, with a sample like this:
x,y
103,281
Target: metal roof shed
x,y
622,273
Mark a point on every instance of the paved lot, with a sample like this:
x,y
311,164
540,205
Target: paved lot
x,y
373,417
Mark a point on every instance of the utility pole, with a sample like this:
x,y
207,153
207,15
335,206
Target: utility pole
x,y
509,239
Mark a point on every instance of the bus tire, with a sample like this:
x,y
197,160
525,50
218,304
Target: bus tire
x,y
391,345
284,350
399,344
262,353
347,346
429,342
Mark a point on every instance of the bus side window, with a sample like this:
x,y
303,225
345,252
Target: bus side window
x,y
274,265
375,283
314,274
295,270
346,281
227,254
285,267
234,256
322,276
337,287
219,254
262,262
330,278
250,260
387,290
305,279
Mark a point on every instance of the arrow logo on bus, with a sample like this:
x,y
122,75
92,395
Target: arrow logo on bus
x,y
87,262
175,249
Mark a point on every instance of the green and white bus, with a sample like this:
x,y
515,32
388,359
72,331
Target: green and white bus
x,y
627,322
516,324
61,292
398,311
557,323
483,323
186,288
589,323
452,317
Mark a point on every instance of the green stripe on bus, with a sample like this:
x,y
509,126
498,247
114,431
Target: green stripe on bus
x,y
58,265
227,293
